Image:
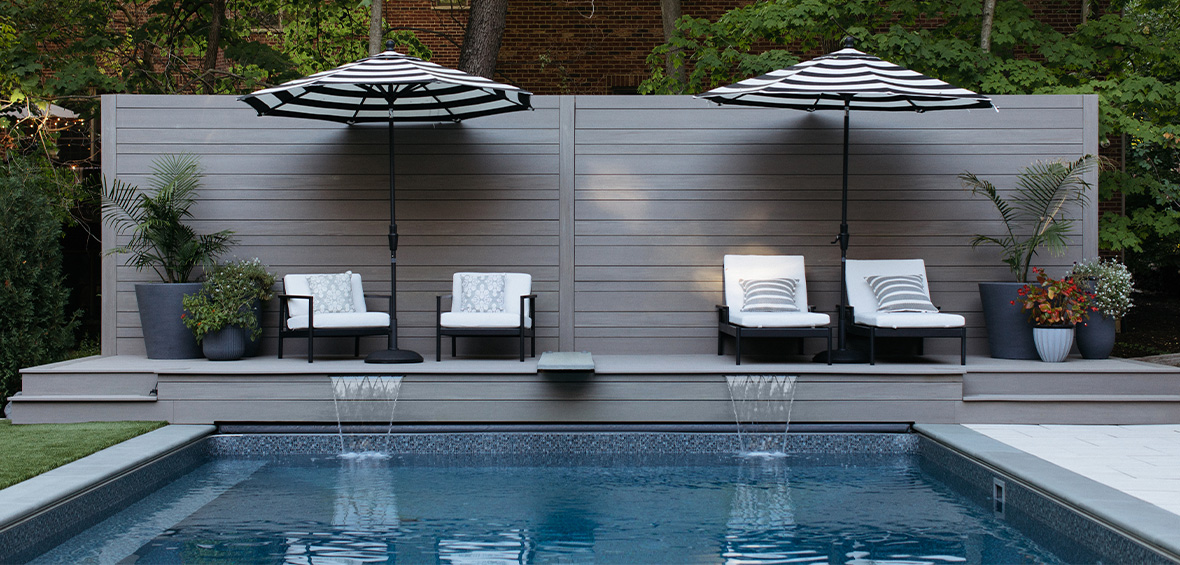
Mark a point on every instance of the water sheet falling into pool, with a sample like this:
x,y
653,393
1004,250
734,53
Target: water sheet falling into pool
x,y
360,399
758,401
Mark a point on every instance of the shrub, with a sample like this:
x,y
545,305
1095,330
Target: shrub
x,y
34,327
1112,285
226,298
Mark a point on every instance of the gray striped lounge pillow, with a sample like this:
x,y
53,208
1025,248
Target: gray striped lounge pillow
x,y
769,295
900,293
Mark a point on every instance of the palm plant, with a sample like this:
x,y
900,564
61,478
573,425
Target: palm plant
x,y
159,237
1032,213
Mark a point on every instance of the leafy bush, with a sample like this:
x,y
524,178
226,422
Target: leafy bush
x,y
34,327
226,298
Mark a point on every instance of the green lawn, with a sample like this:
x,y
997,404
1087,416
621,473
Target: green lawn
x,y
31,449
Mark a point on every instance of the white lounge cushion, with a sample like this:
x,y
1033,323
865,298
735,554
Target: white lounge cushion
x,y
909,319
297,284
739,267
483,320
778,319
342,320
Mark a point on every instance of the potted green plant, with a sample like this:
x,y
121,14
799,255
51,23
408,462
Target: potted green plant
x,y
1054,307
224,316
1111,285
1033,216
160,240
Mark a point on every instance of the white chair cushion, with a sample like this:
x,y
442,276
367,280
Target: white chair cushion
x,y
749,267
342,320
297,284
778,319
909,319
482,320
515,286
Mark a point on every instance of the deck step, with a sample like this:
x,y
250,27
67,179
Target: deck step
x,y
83,398
565,362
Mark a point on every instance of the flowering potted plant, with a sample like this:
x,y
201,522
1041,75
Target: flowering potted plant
x,y
1111,284
1054,306
224,315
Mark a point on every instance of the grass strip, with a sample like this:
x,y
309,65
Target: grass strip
x,y
27,450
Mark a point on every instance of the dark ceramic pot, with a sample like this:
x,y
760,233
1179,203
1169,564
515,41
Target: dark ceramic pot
x,y
1009,334
164,334
226,344
1095,336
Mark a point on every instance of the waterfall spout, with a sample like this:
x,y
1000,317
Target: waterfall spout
x,y
760,401
365,399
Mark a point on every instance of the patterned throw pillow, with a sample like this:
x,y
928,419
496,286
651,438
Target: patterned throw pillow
x,y
482,293
769,295
900,293
332,294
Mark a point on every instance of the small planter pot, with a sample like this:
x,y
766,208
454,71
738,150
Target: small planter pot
x,y
1053,344
226,344
1096,336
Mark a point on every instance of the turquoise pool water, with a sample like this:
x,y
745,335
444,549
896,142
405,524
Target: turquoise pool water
x,y
531,509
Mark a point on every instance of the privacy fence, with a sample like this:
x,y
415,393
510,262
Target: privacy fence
x,y
621,207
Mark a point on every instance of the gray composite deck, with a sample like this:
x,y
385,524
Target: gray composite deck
x,y
621,207
624,388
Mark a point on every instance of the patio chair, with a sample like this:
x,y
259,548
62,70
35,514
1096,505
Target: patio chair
x,y
487,304
766,297
328,305
891,298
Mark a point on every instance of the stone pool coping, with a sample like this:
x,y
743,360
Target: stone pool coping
x,y
27,498
1135,517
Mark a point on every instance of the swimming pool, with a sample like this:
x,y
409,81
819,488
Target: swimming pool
x,y
545,497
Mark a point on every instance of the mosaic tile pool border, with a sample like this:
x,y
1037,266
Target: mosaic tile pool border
x,y
548,443
1067,533
32,537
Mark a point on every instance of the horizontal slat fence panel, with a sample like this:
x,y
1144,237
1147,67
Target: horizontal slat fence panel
x,y
660,188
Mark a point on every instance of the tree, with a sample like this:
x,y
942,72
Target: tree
x,y
481,42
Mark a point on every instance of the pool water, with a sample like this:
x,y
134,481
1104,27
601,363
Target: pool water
x,y
602,509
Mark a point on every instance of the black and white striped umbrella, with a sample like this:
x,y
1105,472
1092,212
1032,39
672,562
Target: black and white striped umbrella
x,y
389,87
847,80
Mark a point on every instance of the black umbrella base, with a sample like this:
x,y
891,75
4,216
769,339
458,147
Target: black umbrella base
x,y
393,356
841,356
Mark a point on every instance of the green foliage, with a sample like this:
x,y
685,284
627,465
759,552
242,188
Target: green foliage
x,y
1125,56
1032,214
32,449
1112,285
227,297
34,326
159,237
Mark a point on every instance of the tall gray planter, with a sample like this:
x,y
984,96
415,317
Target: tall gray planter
x,y
1009,335
164,334
1095,336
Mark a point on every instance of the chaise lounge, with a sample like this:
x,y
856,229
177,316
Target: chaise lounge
x,y
766,297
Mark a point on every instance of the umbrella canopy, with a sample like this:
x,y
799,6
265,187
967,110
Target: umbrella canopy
x,y
389,87
847,80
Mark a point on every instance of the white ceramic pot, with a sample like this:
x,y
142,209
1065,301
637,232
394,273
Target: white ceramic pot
x,y
1053,344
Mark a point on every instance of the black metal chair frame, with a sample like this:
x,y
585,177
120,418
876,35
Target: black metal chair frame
x,y
312,332
873,332
521,331
725,327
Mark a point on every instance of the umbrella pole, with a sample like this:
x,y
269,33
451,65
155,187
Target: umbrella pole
x,y
393,354
842,354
